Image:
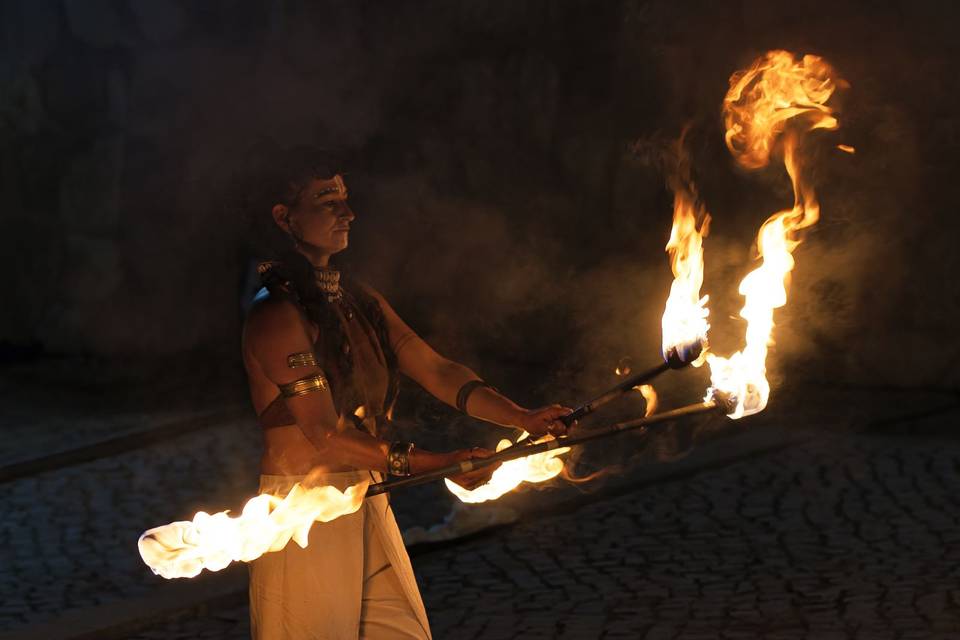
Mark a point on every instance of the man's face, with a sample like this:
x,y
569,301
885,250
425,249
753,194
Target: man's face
x,y
322,217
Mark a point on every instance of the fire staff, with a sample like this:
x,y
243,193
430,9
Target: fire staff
x,y
323,353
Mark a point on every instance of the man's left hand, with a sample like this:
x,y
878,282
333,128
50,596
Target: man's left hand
x,y
540,422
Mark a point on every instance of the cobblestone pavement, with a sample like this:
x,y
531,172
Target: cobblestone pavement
x,y
69,537
846,536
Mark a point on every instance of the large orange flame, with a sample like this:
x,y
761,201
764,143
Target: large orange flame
x,y
777,96
685,314
775,90
267,523
684,324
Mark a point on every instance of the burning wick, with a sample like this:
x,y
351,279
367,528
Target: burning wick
x,y
679,356
846,148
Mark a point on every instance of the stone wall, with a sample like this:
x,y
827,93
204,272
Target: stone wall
x,y
507,202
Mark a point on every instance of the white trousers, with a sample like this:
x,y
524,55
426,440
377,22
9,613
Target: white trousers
x,y
353,580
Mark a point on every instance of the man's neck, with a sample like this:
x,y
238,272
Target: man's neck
x,y
316,257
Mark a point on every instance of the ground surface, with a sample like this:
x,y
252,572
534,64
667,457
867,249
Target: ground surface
x,y
846,536
851,534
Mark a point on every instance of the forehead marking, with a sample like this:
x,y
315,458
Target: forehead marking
x,y
338,188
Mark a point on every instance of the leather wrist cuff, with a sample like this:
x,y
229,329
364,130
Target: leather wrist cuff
x,y
464,393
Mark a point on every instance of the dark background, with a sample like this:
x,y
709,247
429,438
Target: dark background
x,y
510,202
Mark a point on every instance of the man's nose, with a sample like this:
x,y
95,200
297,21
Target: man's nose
x,y
347,213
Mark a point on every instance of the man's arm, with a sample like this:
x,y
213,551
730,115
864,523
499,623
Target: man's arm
x,y
443,378
275,330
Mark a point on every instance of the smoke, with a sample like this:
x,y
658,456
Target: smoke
x,y
511,168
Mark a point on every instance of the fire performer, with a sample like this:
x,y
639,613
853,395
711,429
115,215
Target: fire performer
x,y
323,353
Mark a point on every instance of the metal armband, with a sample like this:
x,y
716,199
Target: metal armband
x,y
303,386
302,359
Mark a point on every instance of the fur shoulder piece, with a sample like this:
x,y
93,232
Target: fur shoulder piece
x,y
274,278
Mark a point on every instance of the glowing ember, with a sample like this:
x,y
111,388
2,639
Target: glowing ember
x,y
267,523
774,93
539,467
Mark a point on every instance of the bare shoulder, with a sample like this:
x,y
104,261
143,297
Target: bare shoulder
x,y
273,319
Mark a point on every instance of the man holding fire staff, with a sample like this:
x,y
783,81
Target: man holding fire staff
x,y
323,353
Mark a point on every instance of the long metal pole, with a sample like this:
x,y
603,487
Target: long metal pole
x,y
677,358
718,404
621,388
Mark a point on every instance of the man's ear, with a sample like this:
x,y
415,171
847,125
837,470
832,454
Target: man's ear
x,y
280,213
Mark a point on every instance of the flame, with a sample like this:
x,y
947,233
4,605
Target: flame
x,y
776,91
684,322
567,474
650,395
267,523
539,467
624,366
